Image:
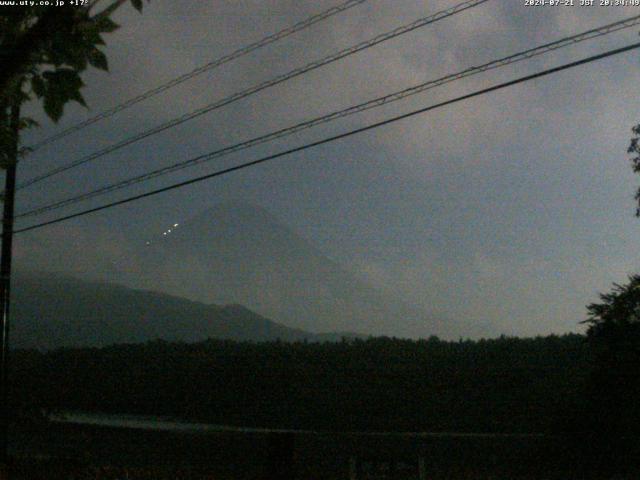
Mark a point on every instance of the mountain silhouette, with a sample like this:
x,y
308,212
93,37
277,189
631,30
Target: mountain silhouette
x,y
240,253
51,311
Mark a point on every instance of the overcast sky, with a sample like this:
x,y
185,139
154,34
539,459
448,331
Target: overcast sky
x,y
514,208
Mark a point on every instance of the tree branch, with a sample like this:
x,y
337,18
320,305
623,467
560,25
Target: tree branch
x,y
19,57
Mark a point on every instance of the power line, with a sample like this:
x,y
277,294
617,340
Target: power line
x,y
257,88
306,23
333,138
539,50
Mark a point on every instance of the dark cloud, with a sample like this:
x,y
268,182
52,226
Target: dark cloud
x,y
515,207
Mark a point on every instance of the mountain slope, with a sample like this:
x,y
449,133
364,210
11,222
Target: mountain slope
x,y
50,311
240,253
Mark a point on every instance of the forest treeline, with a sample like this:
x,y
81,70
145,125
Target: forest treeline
x,y
379,384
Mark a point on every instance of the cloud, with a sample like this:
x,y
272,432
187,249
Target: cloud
x,y
96,252
513,208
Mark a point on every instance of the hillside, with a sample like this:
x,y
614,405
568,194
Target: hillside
x,y
240,253
51,311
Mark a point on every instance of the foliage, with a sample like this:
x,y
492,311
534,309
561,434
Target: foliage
x,y
614,336
619,309
502,385
634,148
45,49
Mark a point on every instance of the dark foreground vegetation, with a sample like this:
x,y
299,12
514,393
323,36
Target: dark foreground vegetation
x,y
506,385
88,452
549,407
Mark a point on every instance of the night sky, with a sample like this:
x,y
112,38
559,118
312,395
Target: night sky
x,y
514,208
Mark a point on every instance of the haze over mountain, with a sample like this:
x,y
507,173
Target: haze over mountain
x,y
51,311
240,253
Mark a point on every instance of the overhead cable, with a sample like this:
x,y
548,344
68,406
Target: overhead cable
x,y
256,88
240,52
333,138
386,99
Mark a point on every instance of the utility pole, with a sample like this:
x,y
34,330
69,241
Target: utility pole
x,y
5,277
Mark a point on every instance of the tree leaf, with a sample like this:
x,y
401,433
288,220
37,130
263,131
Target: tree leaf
x,y
53,107
98,59
62,85
77,96
27,122
105,24
38,86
